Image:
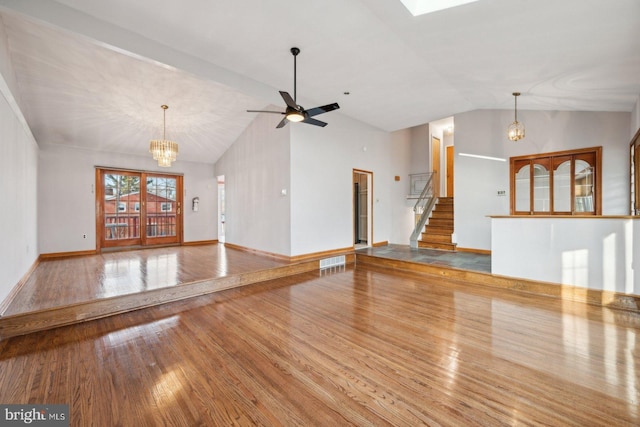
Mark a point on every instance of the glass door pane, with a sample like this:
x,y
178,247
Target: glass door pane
x,y
523,187
121,208
162,209
584,186
541,186
562,185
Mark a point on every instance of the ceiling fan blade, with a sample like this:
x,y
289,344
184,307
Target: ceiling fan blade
x,y
315,122
282,123
288,100
319,110
264,111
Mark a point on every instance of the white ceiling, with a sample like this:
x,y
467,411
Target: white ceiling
x,y
94,73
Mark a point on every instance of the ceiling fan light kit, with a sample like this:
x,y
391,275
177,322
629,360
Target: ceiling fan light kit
x,y
294,112
294,116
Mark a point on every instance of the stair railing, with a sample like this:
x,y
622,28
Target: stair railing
x,y
423,207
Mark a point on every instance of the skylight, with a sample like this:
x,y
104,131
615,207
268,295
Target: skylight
x,y
420,7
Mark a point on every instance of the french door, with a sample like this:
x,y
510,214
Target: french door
x,y
138,208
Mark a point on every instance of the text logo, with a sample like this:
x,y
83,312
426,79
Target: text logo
x,y
34,415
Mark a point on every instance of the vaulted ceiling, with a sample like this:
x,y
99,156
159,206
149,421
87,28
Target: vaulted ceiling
x,y
93,74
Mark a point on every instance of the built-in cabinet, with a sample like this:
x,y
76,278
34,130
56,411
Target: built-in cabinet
x,y
560,183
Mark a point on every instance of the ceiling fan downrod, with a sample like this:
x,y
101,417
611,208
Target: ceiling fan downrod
x,y
295,51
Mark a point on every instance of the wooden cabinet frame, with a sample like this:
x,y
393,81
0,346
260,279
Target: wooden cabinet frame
x,y
634,169
592,155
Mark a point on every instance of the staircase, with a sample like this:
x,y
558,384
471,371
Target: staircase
x,y
437,233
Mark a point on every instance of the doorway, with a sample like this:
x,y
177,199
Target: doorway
x,y
435,165
138,208
362,208
221,210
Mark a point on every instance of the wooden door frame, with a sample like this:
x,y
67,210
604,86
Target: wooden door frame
x,y
99,186
369,205
634,175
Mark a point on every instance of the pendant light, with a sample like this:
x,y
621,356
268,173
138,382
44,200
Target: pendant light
x,y
516,129
163,151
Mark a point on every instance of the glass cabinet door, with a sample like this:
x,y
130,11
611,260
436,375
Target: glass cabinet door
x,y
584,183
541,186
522,186
562,184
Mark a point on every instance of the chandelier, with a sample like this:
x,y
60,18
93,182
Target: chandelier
x,y
516,129
163,151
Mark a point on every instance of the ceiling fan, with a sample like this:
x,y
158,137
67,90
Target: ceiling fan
x,y
295,112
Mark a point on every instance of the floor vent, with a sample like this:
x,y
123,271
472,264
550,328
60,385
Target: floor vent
x,y
333,261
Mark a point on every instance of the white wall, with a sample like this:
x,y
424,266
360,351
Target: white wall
x,y
66,196
420,150
322,163
18,186
402,163
6,69
593,253
256,170
18,182
484,132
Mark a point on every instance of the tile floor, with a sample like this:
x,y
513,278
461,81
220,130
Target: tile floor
x,y
460,260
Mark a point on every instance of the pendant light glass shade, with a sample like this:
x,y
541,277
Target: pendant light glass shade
x,y
516,129
164,151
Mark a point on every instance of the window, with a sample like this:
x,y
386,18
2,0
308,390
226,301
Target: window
x,y
560,183
165,207
122,207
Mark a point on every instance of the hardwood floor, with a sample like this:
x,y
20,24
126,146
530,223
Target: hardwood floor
x,y
60,282
360,346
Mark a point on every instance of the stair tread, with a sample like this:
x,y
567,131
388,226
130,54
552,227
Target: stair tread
x,y
440,222
438,230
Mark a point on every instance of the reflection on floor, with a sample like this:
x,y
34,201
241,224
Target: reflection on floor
x,y
76,289
60,282
65,281
459,260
